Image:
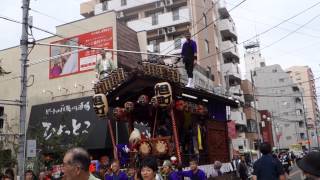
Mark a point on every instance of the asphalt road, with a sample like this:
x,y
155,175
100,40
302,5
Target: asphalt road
x,y
295,174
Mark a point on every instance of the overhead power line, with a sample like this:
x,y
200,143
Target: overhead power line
x,y
265,31
290,33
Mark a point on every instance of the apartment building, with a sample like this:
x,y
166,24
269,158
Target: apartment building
x,y
165,23
303,76
277,93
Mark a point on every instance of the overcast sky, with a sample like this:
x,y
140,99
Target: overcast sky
x,y
251,18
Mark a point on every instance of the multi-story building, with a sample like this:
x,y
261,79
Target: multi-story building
x,y
252,58
231,75
165,23
277,93
303,77
252,114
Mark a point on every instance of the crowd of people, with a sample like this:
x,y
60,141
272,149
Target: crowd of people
x,y
77,165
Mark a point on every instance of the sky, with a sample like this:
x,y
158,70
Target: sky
x,y
251,18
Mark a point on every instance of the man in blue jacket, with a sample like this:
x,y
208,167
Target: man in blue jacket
x,y
189,55
116,173
194,173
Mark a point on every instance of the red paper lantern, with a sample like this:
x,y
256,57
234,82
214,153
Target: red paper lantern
x,y
180,105
119,113
143,100
129,106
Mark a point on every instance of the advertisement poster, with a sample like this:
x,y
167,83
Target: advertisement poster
x,y
80,61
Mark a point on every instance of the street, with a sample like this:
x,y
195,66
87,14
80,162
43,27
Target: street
x,y
295,174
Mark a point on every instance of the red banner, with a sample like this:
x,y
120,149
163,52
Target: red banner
x,y
79,61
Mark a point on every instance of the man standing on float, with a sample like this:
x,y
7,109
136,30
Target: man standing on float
x,y
189,55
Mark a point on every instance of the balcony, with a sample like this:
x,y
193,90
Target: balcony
x,y
163,20
116,5
237,93
238,117
87,8
230,51
227,29
232,70
223,11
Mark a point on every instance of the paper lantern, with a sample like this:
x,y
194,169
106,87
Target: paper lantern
x,y
145,148
143,100
119,113
154,101
161,147
180,105
163,93
129,106
100,105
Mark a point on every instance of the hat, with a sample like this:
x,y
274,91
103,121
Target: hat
x,y
310,163
167,163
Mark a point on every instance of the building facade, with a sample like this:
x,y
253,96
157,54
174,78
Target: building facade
x,y
303,76
277,93
252,58
166,22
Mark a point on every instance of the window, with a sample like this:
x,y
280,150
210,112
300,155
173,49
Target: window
x,y
299,112
298,100
175,14
1,116
154,19
206,44
274,70
295,89
286,125
177,43
281,80
123,2
262,64
301,124
104,5
302,136
288,137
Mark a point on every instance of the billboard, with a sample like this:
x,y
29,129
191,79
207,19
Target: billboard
x,y
80,61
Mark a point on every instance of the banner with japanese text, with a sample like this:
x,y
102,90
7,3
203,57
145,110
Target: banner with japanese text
x,y
71,122
76,60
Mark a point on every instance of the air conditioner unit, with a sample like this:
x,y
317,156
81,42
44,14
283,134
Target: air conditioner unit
x,y
171,29
161,31
159,4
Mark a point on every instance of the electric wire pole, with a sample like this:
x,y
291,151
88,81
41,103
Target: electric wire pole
x,y
305,122
23,95
260,140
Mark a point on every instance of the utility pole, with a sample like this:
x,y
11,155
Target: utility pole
x,y
260,140
23,95
305,121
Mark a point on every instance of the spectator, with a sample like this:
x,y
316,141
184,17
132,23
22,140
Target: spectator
x,y
267,167
169,173
194,173
216,169
104,160
149,168
116,173
29,175
131,173
243,169
76,163
9,172
310,165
